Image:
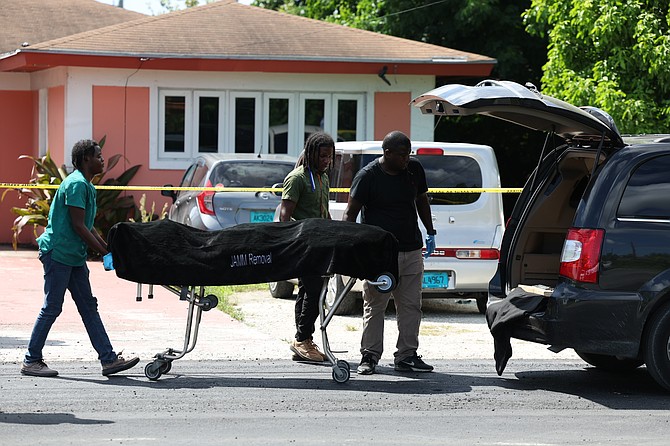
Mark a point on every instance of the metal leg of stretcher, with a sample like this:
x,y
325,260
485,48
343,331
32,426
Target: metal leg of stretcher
x,y
341,370
197,303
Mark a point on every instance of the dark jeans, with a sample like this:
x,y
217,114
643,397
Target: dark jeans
x,y
58,278
307,306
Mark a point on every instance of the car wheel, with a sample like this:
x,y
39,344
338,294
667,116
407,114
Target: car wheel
x,y
482,302
351,304
609,362
657,346
281,290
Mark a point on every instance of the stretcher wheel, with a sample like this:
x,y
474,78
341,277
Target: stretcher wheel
x,y
388,283
166,367
153,370
341,375
208,302
343,364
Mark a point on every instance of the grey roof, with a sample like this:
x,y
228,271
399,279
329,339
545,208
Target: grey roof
x,y
35,21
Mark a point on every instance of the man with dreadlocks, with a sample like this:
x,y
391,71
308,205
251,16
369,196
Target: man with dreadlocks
x,y
63,252
305,195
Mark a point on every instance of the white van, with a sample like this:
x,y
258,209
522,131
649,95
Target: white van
x,y
469,224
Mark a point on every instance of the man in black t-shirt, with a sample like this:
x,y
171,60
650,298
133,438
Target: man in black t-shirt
x,y
390,192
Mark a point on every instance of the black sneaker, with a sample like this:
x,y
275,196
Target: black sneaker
x,y
367,365
413,363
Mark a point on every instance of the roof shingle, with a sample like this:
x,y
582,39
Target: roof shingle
x,y
230,30
35,21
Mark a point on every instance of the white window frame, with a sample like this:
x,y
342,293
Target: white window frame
x,y
360,111
327,112
227,124
292,140
230,137
187,154
223,110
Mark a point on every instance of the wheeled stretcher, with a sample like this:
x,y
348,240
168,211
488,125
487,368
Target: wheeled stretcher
x,y
185,260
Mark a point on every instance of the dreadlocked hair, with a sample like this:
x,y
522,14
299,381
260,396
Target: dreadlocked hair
x,y
310,154
82,149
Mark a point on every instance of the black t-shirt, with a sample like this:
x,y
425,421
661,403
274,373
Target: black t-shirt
x,y
389,201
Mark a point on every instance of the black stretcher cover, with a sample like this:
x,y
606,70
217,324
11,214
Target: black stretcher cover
x,y
169,253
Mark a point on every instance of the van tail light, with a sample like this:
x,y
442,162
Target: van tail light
x,y
206,200
429,151
467,253
580,259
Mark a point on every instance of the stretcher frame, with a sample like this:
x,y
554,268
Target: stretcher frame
x,y
199,302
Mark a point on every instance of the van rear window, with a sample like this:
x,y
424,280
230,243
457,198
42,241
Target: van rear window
x,y
451,171
442,171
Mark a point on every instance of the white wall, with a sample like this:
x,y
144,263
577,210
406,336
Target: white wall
x,y
79,82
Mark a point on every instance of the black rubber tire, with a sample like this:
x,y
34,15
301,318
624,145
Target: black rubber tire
x,y
351,304
610,363
482,300
166,367
153,371
391,285
281,290
657,346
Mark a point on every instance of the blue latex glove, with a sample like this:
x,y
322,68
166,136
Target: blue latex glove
x,y
430,246
108,262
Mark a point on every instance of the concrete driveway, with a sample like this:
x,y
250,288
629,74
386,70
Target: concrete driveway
x,y
138,328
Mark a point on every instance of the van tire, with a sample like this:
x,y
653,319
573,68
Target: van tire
x,y
281,290
351,304
610,363
657,346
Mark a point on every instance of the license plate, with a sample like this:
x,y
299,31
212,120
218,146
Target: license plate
x,y
262,216
435,280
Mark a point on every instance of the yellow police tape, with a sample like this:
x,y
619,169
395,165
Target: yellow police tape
x,y
446,190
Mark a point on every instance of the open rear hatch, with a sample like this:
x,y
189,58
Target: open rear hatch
x,y
534,233
522,105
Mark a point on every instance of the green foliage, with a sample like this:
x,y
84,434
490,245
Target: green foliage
x,y
147,216
173,5
112,207
113,204
612,54
225,294
36,210
488,27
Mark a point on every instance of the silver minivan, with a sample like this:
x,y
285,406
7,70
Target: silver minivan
x,y
469,223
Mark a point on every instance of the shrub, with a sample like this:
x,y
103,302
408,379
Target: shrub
x,y
112,207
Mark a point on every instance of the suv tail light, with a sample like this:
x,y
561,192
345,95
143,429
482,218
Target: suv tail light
x,y
205,200
429,151
467,253
580,259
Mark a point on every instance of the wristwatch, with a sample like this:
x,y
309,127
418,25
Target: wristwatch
x,y
431,232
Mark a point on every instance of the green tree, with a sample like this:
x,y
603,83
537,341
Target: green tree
x,y
490,27
612,54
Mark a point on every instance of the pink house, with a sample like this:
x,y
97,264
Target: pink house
x,y
223,77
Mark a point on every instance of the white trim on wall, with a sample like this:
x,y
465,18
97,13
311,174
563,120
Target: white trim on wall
x,y
80,81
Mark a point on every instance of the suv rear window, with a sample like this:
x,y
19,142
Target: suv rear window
x,y
442,171
249,174
647,191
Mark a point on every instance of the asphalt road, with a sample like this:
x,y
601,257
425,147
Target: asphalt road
x,y
283,402
239,386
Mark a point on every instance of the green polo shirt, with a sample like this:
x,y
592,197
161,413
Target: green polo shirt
x,y
311,199
59,237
